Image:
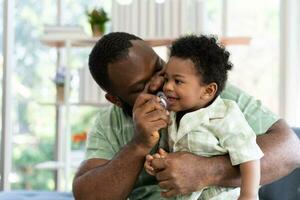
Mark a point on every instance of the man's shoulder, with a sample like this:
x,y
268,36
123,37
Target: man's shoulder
x,y
232,92
110,116
258,116
109,111
105,137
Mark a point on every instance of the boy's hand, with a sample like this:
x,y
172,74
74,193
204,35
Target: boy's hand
x,y
178,173
162,153
148,165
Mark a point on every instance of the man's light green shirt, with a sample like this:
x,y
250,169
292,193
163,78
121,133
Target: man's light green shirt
x,y
113,129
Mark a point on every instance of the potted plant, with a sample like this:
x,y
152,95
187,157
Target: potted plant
x,y
79,140
97,19
59,81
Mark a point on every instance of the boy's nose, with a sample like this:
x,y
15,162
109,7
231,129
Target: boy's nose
x,y
168,86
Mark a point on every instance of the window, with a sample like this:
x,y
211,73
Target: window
x,y
256,67
1,48
34,93
33,125
1,63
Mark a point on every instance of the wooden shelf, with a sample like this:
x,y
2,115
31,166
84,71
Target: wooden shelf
x,y
77,156
82,40
235,40
77,40
76,104
159,42
224,40
51,165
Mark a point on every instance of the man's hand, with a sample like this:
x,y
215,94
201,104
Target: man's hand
x,y
178,173
148,118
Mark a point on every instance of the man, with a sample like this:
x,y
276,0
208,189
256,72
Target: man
x,y
129,70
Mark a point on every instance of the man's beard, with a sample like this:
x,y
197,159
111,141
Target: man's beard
x,y
127,109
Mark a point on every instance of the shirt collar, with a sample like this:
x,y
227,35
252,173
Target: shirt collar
x,y
217,109
190,121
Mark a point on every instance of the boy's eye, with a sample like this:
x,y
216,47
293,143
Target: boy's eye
x,y
178,81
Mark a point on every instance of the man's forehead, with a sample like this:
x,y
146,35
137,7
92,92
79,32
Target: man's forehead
x,y
141,50
140,43
137,63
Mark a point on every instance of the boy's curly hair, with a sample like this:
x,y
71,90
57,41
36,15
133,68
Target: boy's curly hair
x,y
210,58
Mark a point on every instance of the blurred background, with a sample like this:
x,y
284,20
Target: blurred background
x,y
49,101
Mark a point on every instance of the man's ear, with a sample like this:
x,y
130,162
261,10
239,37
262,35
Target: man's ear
x,y
210,90
114,99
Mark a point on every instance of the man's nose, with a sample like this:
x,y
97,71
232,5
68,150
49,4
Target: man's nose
x,y
155,84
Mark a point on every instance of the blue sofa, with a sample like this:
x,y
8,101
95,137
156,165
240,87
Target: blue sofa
x,y
35,195
287,188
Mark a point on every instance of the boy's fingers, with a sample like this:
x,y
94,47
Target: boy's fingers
x,y
149,168
156,155
149,157
162,152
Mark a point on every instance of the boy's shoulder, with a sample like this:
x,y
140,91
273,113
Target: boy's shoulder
x,y
223,107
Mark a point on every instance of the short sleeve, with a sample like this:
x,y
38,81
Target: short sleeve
x,y
98,145
258,117
237,137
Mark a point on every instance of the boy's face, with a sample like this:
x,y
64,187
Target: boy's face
x,y
183,86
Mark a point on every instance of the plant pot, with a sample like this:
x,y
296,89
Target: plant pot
x,y
60,93
98,29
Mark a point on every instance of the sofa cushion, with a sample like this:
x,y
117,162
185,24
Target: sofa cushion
x,y
35,195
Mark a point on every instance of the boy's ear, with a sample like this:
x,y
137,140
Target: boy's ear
x,y
211,90
114,99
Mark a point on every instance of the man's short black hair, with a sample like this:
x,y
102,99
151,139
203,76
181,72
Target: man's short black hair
x,y
210,58
109,49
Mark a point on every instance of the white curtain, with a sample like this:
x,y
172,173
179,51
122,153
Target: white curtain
x,y
290,62
158,18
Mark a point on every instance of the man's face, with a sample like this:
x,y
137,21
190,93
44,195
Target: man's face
x,y
132,75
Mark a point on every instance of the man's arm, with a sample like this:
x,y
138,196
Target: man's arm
x,y
102,179
281,148
180,172
99,179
